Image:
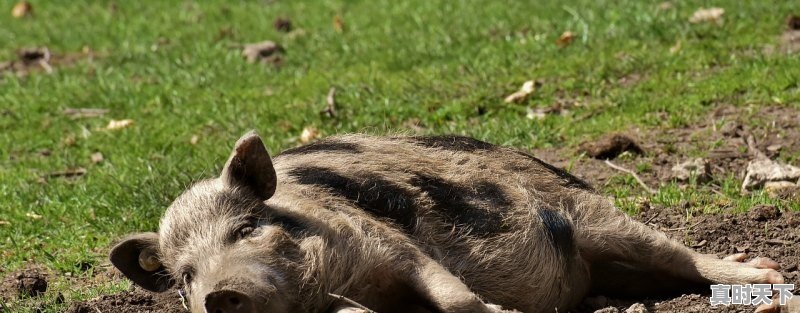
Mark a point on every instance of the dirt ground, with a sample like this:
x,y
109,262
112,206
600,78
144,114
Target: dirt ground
x,y
735,133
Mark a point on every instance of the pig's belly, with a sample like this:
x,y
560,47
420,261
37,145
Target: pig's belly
x,y
523,271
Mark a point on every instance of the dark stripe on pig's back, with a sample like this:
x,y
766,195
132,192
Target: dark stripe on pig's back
x,y
372,193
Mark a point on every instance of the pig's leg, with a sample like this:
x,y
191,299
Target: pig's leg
x,y
444,290
606,234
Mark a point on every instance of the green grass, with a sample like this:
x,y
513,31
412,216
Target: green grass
x,y
170,67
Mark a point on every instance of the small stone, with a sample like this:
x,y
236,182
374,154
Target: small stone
x,y
637,308
759,172
96,157
698,168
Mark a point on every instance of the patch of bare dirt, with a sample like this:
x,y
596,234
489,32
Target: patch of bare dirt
x,y
29,282
725,139
135,301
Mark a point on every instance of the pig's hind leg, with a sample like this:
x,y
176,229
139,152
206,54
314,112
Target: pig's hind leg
x,y
606,235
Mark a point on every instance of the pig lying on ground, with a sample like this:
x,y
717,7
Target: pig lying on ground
x,y
407,224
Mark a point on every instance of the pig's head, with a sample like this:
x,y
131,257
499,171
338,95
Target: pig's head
x,y
223,246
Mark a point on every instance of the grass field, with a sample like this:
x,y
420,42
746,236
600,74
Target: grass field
x,y
175,69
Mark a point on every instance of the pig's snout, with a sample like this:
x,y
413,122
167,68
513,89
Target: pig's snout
x,y
228,301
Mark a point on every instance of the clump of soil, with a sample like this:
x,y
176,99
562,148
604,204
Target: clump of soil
x,y
282,24
610,147
135,301
25,283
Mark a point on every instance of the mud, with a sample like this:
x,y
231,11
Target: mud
x,y
134,301
29,282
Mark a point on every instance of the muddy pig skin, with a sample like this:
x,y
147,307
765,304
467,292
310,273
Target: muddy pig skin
x,y
407,224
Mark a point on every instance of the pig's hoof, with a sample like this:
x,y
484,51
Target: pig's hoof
x,y
494,308
766,267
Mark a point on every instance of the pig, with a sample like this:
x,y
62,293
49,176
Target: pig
x,y
359,223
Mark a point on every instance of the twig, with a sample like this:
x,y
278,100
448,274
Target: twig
x,y
330,110
652,218
632,173
753,148
682,228
351,302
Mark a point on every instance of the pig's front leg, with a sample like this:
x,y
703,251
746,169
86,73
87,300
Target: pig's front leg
x,y
445,291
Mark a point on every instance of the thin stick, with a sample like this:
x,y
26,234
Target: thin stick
x,y
330,110
652,218
753,148
351,302
682,228
632,173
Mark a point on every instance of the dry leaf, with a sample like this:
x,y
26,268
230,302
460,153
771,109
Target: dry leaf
x,y
5,223
264,52
703,15
22,9
527,88
675,48
33,215
309,134
338,24
537,113
119,124
565,39
194,139
666,5
96,157
70,140
84,112
330,109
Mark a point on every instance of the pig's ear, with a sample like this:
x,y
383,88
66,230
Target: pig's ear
x,y
137,259
250,167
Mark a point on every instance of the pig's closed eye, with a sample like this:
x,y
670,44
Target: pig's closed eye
x,y
245,231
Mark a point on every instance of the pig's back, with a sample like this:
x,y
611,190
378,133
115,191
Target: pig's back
x,y
472,187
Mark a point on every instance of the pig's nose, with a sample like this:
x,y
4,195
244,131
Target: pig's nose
x,y
228,301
